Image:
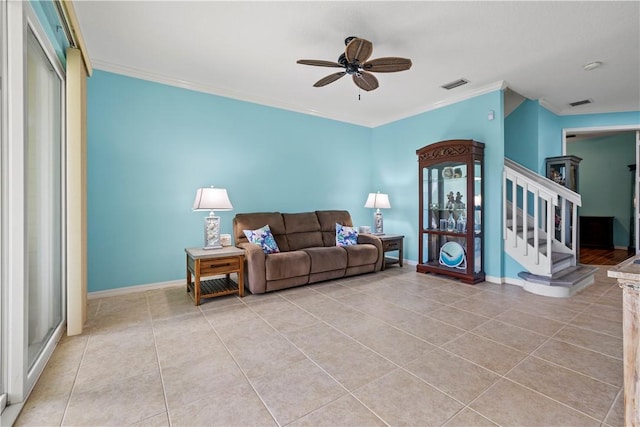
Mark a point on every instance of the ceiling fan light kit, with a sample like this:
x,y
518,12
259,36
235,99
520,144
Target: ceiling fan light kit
x,y
355,62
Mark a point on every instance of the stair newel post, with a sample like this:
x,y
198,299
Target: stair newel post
x,y
536,224
628,275
563,221
514,210
525,215
504,204
551,226
574,232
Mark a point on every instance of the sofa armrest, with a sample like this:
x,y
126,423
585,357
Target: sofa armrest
x,y
370,239
255,271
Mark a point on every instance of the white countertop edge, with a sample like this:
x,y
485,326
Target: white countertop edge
x,y
626,270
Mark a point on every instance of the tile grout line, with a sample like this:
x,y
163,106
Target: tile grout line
x,y
235,360
155,346
75,378
308,357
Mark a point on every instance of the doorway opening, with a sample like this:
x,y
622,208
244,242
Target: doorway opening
x,y
608,185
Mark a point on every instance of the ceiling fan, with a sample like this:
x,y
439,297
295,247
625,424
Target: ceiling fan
x,y
355,62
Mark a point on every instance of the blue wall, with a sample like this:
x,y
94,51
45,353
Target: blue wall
x,y
598,120
395,169
150,146
521,134
549,137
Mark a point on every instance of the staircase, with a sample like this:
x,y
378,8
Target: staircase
x,y
540,231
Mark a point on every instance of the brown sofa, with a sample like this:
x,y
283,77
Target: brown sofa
x,y
308,251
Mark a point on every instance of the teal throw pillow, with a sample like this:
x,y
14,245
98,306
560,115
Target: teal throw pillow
x,y
263,238
346,236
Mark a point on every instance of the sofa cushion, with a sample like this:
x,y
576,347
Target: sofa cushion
x,y
284,265
346,236
326,258
328,220
252,221
361,255
263,238
303,230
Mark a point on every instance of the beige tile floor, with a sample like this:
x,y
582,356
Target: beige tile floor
x,y
392,348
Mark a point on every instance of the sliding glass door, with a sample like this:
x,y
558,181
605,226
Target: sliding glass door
x,y
32,197
43,199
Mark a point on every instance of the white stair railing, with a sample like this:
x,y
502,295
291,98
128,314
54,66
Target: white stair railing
x,y
535,218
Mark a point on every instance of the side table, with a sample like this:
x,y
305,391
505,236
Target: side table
x,y
390,243
211,262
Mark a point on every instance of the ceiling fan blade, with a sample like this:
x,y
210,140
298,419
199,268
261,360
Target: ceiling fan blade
x,y
387,65
365,81
319,63
358,50
329,79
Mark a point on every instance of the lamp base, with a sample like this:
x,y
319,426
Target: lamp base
x,y
378,222
212,232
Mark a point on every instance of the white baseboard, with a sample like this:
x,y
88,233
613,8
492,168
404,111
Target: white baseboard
x,y
134,289
504,280
181,282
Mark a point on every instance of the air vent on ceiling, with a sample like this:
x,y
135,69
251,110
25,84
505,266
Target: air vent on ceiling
x,y
571,136
583,102
454,84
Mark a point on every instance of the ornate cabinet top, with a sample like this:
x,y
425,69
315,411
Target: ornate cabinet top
x,y
443,150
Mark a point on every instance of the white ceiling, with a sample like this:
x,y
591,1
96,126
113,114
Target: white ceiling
x,y
248,51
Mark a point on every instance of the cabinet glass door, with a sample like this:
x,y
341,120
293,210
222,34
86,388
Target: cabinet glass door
x,y
477,216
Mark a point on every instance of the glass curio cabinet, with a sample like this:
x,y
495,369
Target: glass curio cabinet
x,y
564,171
450,177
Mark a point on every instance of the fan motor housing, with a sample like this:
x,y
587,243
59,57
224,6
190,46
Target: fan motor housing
x,y
350,68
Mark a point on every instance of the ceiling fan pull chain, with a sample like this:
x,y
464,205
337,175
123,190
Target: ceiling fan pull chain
x,y
358,94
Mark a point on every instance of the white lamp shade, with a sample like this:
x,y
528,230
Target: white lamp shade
x,y
377,201
214,199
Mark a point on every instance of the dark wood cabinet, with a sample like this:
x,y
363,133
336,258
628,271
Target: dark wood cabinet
x,y
596,232
450,180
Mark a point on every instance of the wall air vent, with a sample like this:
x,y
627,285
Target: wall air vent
x,y
583,102
454,84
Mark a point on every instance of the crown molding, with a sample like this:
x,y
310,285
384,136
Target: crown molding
x,y
499,85
233,94
549,106
219,91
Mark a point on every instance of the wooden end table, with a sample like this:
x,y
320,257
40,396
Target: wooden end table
x,y
212,262
390,243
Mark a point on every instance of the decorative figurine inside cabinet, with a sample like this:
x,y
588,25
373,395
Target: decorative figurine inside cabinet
x,y
564,170
450,177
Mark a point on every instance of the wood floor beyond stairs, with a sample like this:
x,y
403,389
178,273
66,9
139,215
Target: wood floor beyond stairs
x,y
603,256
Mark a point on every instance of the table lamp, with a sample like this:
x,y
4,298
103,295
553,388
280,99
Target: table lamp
x,y
212,199
378,201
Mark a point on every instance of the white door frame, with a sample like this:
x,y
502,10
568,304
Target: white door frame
x,y
614,128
